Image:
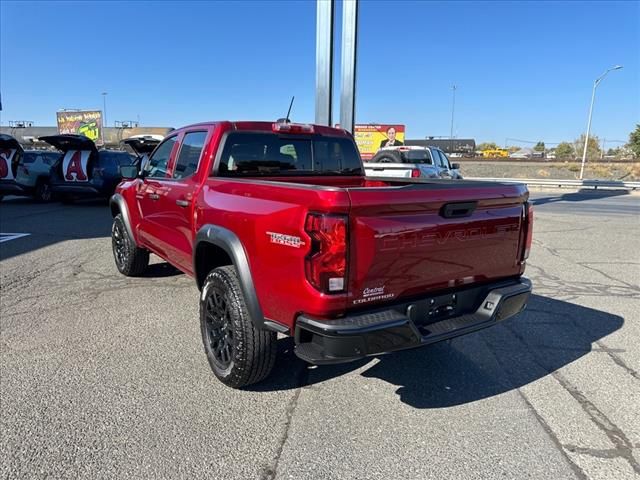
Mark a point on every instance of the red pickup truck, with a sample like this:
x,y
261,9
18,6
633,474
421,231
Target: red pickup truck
x,y
284,234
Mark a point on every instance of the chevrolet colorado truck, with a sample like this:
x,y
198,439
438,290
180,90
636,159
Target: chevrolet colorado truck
x,y
284,234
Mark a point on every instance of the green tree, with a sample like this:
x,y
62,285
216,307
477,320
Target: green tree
x,y
487,146
565,150
593,147
634,141
614,152
539,147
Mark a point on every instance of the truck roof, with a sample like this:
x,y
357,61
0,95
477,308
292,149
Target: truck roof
x,y
266,126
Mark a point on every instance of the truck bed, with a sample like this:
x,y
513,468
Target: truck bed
x,y
400,244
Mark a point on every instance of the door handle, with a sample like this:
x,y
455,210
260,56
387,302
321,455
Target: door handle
x,y
182,203
154,196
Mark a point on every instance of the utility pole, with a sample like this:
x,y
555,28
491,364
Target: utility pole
x,y
453,110
104,114
593,97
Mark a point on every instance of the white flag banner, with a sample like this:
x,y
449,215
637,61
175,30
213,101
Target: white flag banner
x,y
6,156
74,166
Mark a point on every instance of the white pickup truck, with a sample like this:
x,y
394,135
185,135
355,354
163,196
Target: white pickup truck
x,y
412,162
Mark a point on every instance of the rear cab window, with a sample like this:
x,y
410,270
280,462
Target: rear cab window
x,y
419,156
271,154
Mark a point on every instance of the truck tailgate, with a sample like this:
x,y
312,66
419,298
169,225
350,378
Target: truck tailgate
x,y
428,236
389,169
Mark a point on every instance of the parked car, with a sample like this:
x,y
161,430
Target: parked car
x,y
412,162
522,154
84,171
284,234
142,146
25,173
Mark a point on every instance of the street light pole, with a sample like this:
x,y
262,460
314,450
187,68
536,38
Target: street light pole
x,y
453,109
104,114
593,97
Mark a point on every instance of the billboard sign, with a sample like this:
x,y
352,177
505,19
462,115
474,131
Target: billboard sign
x,y
85,122
371,138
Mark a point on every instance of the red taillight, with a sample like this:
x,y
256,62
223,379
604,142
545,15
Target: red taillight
x,y
292,128
326,264
528,226
415,173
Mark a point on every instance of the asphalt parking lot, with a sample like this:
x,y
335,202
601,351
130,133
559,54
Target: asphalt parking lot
x,y
103,376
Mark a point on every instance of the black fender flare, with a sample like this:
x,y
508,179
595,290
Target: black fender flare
x,y
229,242
119,202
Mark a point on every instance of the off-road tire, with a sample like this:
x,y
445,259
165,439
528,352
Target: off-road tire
x,y
251,352
130,259
387,156
43,192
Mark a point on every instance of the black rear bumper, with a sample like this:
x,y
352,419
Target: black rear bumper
x,y
409,324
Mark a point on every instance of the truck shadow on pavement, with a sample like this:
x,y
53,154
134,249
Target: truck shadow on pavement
x,y
579,196
549,335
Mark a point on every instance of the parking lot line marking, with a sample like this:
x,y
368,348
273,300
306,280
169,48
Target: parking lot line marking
x,y
6,237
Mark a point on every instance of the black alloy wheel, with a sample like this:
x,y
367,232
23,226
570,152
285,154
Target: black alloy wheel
x,y
219,328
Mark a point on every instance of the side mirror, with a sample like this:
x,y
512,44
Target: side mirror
x,y
129,172
455,166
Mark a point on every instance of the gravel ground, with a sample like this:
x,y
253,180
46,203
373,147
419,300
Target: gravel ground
x,y
507,169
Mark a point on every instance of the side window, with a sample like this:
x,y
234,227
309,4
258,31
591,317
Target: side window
x,y
439,162
157,165
50,159
28,157
445,160
189,156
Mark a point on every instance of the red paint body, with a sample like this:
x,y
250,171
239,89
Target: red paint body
x,y
397,239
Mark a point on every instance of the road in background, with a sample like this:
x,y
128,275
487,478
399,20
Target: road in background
x,y
104,376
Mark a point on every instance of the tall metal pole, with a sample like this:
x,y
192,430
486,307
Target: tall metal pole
x,y
593,97
453,109
349,48
324,61
104,114
586,138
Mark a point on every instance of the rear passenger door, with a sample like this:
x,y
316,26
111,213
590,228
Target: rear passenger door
x,y
177,203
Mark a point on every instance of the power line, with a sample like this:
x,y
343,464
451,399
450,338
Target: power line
x,y
530,141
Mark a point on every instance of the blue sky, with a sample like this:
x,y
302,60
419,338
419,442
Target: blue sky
x,y
524,69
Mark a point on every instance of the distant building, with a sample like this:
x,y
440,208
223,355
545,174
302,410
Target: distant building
x,y
464,146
